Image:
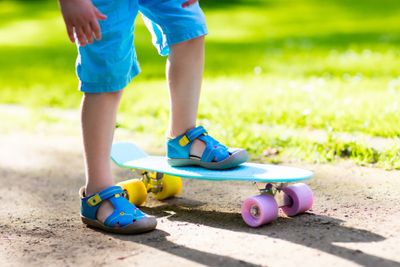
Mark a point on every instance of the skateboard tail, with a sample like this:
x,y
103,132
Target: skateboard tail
x,y
123,152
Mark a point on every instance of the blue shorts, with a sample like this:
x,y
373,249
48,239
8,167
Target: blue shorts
x,y
110,64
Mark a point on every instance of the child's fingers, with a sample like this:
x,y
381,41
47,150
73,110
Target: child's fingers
x,y
88,33
99,15
188,3
96,29
81,36
70,31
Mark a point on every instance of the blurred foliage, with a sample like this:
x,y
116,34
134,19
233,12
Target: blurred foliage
x,y
276,72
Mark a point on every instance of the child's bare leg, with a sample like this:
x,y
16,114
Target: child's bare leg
x,y
98,115
184,74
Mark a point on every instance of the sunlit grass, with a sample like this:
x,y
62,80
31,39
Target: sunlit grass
x,y
306,118
31,32
277,72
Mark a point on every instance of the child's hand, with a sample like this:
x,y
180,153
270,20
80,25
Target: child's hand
x,y
81,17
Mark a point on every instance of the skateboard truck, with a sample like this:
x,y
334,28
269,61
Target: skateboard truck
x,y
275,190
152,181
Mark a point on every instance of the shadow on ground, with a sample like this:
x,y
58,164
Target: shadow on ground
x,y
41,222
309,230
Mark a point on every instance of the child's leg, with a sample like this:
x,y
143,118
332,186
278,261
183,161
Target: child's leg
x,y
104,68
184,74
178,30
98,115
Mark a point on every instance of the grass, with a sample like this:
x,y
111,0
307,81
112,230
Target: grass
x,y
292,75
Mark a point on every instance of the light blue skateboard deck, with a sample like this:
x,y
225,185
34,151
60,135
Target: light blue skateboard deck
x,y
128,155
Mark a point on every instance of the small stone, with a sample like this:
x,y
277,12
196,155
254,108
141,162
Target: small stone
x,y
271,151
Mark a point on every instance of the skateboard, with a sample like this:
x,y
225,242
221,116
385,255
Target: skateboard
x,y
278,185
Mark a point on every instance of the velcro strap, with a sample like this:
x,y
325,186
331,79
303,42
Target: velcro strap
x,y
107,193
191,135
213,150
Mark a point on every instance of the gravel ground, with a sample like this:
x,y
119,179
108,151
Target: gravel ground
x,y
355,220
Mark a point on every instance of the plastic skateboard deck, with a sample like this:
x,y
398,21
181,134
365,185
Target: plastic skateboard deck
x,y
164,181
128,155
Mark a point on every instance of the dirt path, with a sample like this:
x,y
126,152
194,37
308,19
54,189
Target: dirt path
x,y
355,220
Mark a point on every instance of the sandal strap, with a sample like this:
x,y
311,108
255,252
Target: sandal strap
x,y
124,213
213,150
179,147
114,194
107,193
191,135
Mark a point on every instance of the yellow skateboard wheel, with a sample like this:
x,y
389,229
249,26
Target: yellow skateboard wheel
x,y
171,186
135,190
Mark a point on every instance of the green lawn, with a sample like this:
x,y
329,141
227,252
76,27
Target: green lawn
x,y
316,80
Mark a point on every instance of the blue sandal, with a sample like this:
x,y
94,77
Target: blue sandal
x,y
126,218
215,156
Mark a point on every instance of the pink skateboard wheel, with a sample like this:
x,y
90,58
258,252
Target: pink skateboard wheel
x,y
259,210
300,197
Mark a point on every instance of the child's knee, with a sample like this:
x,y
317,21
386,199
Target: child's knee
x,y
195,41
112,96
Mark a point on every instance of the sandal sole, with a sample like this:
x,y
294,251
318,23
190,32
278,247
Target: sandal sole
x,y
142,226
